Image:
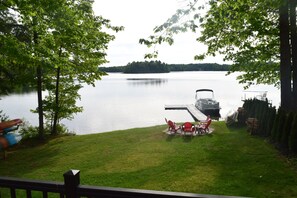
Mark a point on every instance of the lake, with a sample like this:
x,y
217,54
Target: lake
x,y
122,101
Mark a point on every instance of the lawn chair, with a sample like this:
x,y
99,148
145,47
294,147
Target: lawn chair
x,y
188,128
203,127
172,127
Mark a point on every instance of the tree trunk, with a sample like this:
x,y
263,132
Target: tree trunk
x,y
285,57
39,88
40,105
57,107
293,31
56,112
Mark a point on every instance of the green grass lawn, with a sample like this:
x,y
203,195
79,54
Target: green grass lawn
x,y
226,162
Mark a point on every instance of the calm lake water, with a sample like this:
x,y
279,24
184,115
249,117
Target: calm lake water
x,y
122,101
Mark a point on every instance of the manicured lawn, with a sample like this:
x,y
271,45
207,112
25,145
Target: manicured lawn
x,y
226,162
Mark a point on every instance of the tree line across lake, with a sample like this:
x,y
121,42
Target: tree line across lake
x,y
160,67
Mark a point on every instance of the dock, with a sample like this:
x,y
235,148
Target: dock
x,y
195,113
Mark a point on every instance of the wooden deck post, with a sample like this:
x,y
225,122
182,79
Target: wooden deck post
x,y
71,182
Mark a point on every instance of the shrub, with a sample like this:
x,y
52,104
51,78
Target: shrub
x,y
262,116
286,131
293,136
274,130
264,112
270,121
28,131
281,125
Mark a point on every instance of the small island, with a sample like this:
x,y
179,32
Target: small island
x,y
160,67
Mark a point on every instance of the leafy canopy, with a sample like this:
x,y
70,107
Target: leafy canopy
x,y
59,42
244,31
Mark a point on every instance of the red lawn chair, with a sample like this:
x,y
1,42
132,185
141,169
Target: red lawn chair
x,y
203,127
172,127
188,128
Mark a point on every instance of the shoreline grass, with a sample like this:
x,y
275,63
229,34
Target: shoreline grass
x,y
227,162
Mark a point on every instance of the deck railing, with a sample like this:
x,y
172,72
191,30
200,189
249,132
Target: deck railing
x,y
71,188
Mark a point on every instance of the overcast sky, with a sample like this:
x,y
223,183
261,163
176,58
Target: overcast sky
x,y
139,17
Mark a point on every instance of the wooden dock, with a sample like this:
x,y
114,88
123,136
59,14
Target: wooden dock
x,y
195,113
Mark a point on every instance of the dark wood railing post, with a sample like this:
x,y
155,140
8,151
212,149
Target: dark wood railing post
x,y
71,182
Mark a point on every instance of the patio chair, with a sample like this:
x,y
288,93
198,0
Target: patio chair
x,y
188,128
172,127
203,127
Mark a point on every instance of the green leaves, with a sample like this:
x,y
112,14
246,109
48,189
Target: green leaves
x,y
244,31
55,35
177,23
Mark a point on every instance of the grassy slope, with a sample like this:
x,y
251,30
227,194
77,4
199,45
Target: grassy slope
x,y
228,162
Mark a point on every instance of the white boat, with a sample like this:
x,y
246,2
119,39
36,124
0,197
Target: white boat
x,y
206,103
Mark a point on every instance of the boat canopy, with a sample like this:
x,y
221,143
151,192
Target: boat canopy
x,y
203,94
204,90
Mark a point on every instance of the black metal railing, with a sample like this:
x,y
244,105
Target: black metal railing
x,y
71,188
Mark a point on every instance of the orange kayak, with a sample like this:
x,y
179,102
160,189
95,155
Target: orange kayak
x,y
8,124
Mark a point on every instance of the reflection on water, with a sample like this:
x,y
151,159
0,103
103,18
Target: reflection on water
x,y
122,101
146,81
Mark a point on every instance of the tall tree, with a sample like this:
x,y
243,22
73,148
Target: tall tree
x,y
79,48
65,39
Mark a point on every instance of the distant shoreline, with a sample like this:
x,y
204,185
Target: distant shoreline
x,y
159,67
